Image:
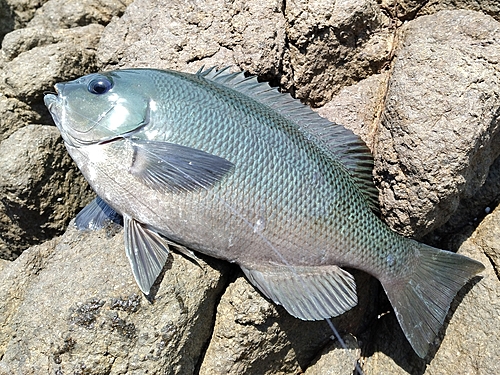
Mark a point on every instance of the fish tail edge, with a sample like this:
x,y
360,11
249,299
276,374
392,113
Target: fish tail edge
x,y
422,298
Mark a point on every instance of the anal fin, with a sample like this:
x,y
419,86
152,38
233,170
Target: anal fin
x,y
307,293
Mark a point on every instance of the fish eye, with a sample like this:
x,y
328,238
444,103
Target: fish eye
x,y
100,85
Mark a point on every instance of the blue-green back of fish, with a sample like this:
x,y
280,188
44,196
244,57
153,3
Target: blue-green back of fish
x,y
229,167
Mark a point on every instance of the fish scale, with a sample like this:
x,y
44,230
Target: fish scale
x,y
224,165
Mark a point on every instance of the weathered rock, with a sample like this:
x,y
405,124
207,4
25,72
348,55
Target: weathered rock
x,y
337,359
36,70
409,9
440,128
331,46
41,188
358,107
71,306
185,36
15,14
254,336
14,114
66,14
470,343
470,211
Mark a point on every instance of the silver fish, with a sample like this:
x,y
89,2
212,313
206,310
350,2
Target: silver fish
x,y
229,167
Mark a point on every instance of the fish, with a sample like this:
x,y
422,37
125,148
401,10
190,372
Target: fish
x,y
221,164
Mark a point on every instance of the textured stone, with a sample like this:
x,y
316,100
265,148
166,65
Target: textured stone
x,y
36,70
358,107
14,115
331,46
440,127
71,14
186,35
254,336
409,9
15,14
71,306
41,188
336,359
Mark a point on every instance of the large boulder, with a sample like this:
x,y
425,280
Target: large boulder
x,y
440,129
71,306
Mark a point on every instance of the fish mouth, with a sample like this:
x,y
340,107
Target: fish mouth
x,y
53,102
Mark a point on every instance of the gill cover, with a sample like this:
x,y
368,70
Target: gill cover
x,y
102,106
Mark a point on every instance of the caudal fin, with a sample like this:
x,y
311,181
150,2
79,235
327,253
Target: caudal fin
x,y
422,299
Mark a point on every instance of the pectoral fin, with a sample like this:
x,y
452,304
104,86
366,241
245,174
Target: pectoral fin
x,y
308,293
147,252
96,215
170,167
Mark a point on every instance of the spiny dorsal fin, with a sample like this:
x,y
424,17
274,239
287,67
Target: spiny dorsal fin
x,y
348,148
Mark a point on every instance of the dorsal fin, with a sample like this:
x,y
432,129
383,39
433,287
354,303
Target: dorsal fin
x,y
347,147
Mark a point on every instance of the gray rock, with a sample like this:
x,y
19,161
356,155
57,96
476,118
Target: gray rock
x,y
71,306
14,115
254,336
36,70
439,133
409,9
67,14
186,35
336,359
358,107
41,188
333,46
15,14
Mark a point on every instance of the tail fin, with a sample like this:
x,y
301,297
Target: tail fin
x,y
422,299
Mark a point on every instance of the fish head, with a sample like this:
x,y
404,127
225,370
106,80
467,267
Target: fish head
x,y
100,107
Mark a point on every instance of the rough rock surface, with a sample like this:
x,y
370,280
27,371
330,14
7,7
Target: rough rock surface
x,y
71,306
440,128
331,46
41,188
186,35
58,43
424,96
409,9
253,336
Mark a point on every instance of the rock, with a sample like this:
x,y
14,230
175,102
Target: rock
x,y
469,345
64,14
41,188
358,107
333,46
335,359
470,212
439,133
36,70
14,115
15,14
72,306
254,336
186,36
409,9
